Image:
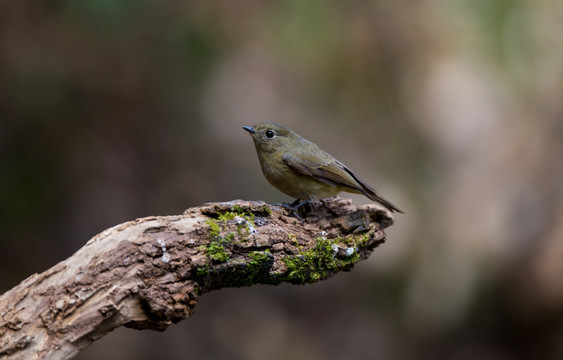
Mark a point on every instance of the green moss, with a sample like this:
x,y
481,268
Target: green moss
x,y
241,272
224,217
202,270
255,269
217,253
266,210
214,228
324,259
229,238
239,211
237,214
319,262
293,241
353,258
215,250
311,266
362,241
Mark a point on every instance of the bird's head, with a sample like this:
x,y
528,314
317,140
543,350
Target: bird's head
x,y
271,137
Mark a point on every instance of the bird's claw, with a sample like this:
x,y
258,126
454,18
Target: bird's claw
x,y
294,207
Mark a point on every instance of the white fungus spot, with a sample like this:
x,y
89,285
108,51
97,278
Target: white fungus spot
x,y
165,255
251,228
350,251
335,248
242,221
60,304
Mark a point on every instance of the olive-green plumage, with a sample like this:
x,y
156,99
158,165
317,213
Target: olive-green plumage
x,y
300,169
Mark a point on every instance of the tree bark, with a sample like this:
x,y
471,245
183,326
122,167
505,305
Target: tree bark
x,y
148,273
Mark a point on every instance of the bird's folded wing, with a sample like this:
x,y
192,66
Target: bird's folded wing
x,y
330,172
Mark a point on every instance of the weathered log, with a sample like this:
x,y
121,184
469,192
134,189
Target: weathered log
x,y
148,273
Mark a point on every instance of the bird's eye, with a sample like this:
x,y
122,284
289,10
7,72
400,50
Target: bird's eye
x,y
270,134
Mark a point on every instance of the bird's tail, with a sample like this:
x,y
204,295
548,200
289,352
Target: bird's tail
x,y
370,193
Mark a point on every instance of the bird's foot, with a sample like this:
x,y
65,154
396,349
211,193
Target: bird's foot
x,y
294,207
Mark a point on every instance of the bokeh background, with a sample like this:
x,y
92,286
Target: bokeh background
x,y
116,109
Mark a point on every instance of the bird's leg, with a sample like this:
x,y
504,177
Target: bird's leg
x,y
298,203
294,206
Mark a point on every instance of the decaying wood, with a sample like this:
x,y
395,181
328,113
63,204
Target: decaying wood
x,y
148,273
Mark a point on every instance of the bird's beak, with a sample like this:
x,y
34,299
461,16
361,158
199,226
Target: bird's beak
x,y
250,129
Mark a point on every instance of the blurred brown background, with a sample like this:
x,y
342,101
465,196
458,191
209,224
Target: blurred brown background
x,y
116,109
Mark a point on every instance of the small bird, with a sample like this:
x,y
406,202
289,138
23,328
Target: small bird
x,y
301,169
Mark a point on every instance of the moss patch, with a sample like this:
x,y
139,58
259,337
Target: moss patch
x,y
244,221
232,228
322,260
254,271
217,253
215,250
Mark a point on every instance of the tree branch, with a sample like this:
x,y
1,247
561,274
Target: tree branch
x,y
148,273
